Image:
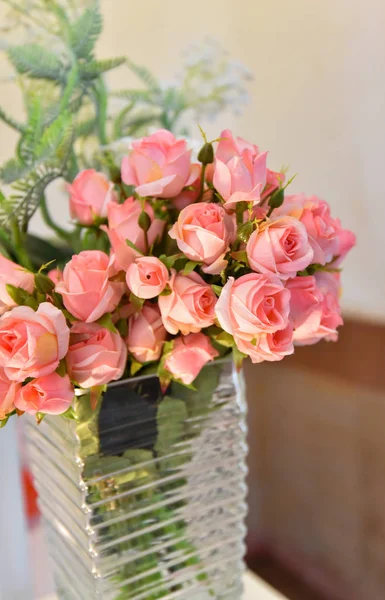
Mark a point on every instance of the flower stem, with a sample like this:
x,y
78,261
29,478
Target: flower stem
x,y
202,188
21,253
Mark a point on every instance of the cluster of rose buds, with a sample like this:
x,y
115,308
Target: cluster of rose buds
x,y
199,258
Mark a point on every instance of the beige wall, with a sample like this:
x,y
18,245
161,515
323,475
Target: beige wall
x,y
317,99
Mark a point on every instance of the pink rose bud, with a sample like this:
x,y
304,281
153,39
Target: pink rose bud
x,y
239,171
87,290
253,304
51,394
147,277
146,334
90,194
346,241
32,343
12,273
325,317
274,181
55,275
280,247
95,356
158,165
202,233
123,225
190,306
188,356
268,346
188,196
8,390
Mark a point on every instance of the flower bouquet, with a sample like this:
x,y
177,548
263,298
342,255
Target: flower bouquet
x,y
119,335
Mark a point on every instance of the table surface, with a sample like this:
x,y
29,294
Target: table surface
x,y
255,589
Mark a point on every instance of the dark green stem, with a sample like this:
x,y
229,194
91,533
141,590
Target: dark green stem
x,y
202,188
21,254
101,110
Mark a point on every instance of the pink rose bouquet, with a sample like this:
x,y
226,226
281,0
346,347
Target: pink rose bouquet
x,y
173,264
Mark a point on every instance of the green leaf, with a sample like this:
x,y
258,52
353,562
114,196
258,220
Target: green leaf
x,y
135,367
245,230
44,284
189,267
94,68
145,75
39,417
240,256
137,302
168,261
58,133
122,327
21,296
69,414
132,245
217,289
225,339
12,170
85,31
62,368
35,61
136,96
106,322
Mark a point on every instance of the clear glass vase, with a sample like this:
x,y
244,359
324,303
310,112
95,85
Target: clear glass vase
x,y
144,496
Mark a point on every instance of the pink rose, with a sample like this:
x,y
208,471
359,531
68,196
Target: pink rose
x,y
95,356
190,306
191,190
253,304
146,334
305,297
12,273
90,194
87,290
158,165
325,317
32,343
123,225
8,390
51,394
55,275
281,247
202,233
147,277
188,356
322,229
239,171
268,346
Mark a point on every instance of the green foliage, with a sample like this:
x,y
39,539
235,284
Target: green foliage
x,y
85,32
35,61
92,70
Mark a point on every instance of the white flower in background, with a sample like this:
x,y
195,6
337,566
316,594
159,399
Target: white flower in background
x,y
211,82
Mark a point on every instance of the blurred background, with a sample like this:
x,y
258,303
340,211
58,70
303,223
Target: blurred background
x,y
317,103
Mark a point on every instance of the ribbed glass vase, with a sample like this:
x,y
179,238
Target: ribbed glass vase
x,y
144,496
